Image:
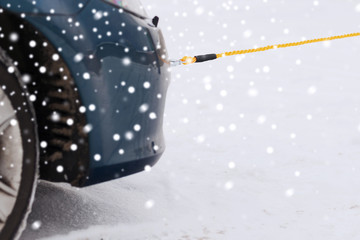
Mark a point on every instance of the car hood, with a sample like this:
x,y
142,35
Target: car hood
x,y
53,7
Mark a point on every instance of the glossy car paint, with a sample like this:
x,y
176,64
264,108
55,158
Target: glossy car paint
x,y
117,61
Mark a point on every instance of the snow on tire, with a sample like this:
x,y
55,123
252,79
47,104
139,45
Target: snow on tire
x,y
18,151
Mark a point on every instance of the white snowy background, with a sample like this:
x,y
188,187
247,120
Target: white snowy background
x,y
262,146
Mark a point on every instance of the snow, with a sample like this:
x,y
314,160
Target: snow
x,y
264,146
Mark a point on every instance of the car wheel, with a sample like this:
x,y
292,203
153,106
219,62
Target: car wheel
x,y
18,151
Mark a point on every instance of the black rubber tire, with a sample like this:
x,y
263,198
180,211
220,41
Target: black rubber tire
x,y
16,92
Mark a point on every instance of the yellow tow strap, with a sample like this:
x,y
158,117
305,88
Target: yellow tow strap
x,y
202,58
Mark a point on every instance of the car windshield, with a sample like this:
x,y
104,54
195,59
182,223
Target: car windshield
x,y
132,5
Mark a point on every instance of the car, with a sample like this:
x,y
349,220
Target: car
x,y
82,93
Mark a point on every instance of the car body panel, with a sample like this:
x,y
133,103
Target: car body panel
x,y
116,60
65,7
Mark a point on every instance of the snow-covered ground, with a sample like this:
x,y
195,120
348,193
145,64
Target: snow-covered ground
x,y
263,146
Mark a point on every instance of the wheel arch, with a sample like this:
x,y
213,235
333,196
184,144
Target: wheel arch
x,y
15,37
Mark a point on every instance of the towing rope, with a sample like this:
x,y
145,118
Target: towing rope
x,y
202,58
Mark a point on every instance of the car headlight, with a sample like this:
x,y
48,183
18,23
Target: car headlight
x,y
134,6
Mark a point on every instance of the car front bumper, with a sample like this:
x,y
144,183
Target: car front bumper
x,y
118,62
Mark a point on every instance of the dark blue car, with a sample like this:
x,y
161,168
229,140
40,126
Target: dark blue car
x,y
82,93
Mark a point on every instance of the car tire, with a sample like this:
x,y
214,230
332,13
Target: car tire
x,y
19,153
